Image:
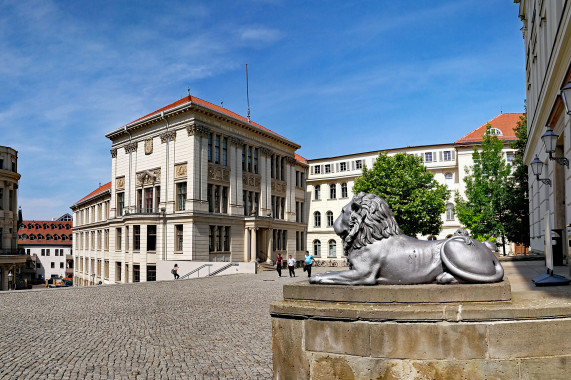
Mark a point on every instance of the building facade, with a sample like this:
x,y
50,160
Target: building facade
x,y
331,179
547,40
11,259
48,245
191,182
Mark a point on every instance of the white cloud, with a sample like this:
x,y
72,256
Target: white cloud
x,y
260,34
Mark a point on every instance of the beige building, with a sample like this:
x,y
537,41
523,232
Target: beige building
x,y
191,183
11,259
547,41
331,179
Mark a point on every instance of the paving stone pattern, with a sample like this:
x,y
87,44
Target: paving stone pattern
x,y
208,328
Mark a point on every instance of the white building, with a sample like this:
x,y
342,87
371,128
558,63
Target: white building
x,y
48,243
547,37
331,179
191,183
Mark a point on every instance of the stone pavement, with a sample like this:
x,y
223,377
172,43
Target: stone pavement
x,y
206,328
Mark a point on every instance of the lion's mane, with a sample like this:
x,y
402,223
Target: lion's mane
x,y
371,220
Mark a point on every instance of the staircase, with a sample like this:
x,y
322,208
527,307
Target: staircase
x,y
222,269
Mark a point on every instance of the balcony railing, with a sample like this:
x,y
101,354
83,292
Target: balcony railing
x,y
12,252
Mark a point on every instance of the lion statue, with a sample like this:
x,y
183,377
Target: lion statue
x,y
379,253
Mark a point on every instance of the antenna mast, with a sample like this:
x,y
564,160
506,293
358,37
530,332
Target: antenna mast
x,y
247,93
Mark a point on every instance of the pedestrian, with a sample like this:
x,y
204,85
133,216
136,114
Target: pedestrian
x,y
174,271
291,266
308,263
279,263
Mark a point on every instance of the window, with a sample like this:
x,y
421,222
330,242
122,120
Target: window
x,y
53,265
217,149
118,271
358,164
327,168
449,180
10,200
317,219
151,238
494,132
43,252
120,203
329,219
219,239
343,190
179,235
449,211
140,200
157,197
447,155
332,249
180,196
136,237
61,265
317,192
332,191
343,166
225,151
1,198
151,273
428,157
510,157
149,200
118,239
317,169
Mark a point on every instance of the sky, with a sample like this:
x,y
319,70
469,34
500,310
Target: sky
x,y
336,77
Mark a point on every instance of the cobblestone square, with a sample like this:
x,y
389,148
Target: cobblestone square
x,y
207,328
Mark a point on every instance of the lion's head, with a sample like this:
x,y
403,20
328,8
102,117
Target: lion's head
x,y
363,220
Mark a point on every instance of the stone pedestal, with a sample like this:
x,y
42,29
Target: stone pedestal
x,y
459,331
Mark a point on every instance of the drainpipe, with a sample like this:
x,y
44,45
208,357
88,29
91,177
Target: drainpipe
x,y
166,188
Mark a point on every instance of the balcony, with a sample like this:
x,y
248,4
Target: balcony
x,y
13,252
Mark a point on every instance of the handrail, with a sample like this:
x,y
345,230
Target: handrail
x,y
196,270
222,269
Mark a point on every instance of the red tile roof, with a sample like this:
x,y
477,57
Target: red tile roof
x,y
52,235
204,103
505,122
300,159
95,192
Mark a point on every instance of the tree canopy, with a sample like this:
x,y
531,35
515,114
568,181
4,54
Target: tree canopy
x,y
517,226
484,210
415,197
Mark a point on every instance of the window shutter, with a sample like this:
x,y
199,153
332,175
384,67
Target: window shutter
x,y
440,156
353,165
322,169
337,167
311,170
452,155
434,156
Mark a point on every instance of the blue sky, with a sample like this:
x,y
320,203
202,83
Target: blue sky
x,y
337,77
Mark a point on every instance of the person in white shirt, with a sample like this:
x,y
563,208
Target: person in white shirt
x,y
291,266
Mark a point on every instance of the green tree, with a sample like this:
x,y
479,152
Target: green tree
x,y
415,197
517,226
484,211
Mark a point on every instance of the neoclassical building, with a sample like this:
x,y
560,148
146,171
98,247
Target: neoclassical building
x,y
331,179
191,182
11,259
547,37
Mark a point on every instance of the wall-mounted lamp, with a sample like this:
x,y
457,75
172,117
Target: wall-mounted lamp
x,y
536,168
549,139
566,96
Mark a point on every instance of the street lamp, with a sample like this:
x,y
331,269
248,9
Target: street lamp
x,y
549,139
566,96
536,168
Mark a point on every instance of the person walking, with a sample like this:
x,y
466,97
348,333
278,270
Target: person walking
x,y
279,263
291,266
308,263
174,271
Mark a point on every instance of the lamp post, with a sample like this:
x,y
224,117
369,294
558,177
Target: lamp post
x,y
536,168
549,139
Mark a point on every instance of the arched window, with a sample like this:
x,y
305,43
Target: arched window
x,y
494,132
46,226
48,237
317,248
56,237
40,236
332,191
332,249
449,211
24,237
317,219
317,192
431,237
329,219
449,180
32,237
343,190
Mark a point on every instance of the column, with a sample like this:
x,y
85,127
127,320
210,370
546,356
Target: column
x,y
246,244
253,247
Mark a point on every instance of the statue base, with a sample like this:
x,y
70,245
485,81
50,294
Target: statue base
x,y
471,331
